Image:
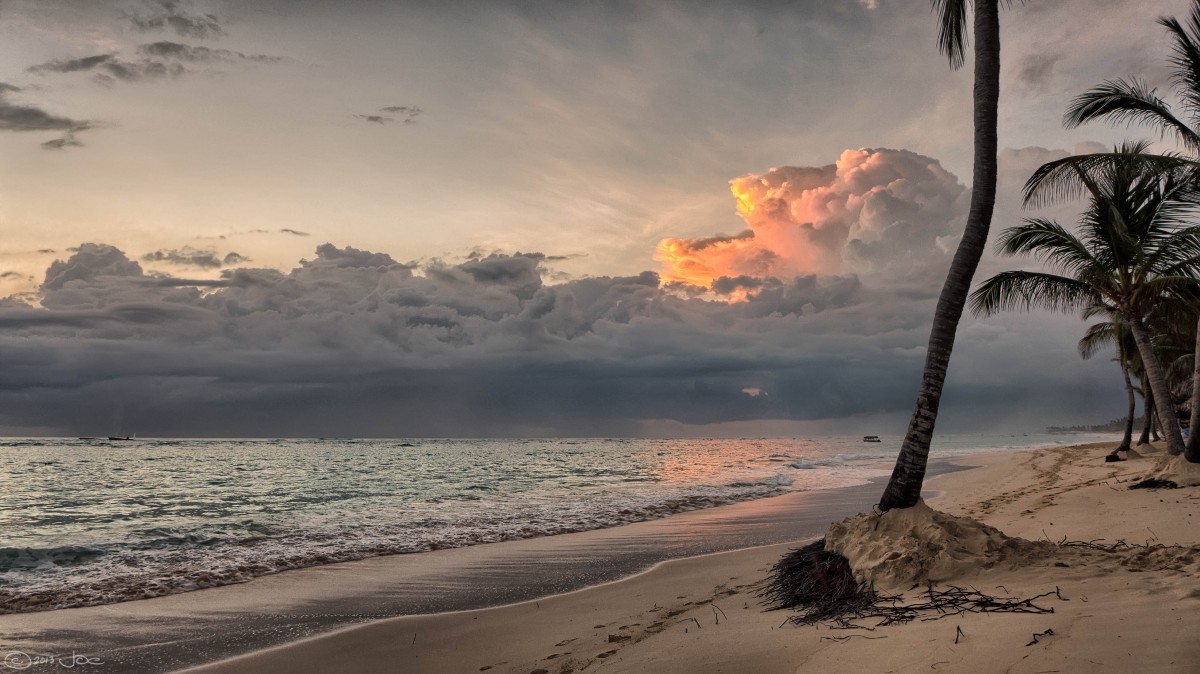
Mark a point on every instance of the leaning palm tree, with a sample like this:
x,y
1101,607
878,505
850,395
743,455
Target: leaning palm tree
x,y
1132,100
1135,247
904,488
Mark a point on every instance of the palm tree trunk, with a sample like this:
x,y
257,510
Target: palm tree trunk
x,y
1147,413
1192,451
1158,384
1127,440
904,488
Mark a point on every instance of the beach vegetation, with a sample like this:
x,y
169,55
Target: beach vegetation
x,y
1135,254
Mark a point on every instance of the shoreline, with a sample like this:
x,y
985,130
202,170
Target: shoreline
x,y
176,631
699,613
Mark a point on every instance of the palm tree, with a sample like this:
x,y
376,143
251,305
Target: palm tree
x,y
1132,100
904,488
1134,249
1109,333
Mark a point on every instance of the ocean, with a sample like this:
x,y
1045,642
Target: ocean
x,y
87,522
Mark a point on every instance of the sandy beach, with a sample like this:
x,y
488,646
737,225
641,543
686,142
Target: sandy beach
x,y
1133,610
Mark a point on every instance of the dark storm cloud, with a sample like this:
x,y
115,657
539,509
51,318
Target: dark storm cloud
x,y
179,17
351,342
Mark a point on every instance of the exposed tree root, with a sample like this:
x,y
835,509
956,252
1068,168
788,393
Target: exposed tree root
x,y
822,585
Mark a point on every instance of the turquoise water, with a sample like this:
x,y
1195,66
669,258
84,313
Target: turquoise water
x,y
94,522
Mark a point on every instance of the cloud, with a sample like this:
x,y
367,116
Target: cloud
x,y
69,139
193,257
874,212
15,117
405,114
351,342
164,49
293,232
176,16
1035,68
109,68
71,65
158,60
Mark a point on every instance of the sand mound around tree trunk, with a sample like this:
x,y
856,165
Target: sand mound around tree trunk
x,y
1176,469
921,545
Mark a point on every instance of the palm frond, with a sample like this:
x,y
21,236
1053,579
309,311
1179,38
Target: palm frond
x,y
1128,101
1153,291
1024,290
1185,59
1068,178
1097,337
952,30
1048,241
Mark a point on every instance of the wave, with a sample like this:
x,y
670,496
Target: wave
x,y
169,561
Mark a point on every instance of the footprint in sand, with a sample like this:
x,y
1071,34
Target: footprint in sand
x,y
606,654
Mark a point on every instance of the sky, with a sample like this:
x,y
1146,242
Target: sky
x,y
301,218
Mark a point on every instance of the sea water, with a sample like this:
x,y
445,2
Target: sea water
x,y
86,522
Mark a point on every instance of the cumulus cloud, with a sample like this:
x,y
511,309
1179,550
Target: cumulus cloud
x,y
352,342
873,212
437,349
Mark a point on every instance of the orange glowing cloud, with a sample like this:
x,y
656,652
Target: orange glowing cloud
x,y
871,210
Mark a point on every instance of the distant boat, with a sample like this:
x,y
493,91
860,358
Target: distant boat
x,y
124,439
871,438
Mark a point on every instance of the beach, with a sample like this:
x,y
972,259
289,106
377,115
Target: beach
x,y
701,613
679,593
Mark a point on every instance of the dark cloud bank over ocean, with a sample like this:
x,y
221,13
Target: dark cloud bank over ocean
x,y
353,343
